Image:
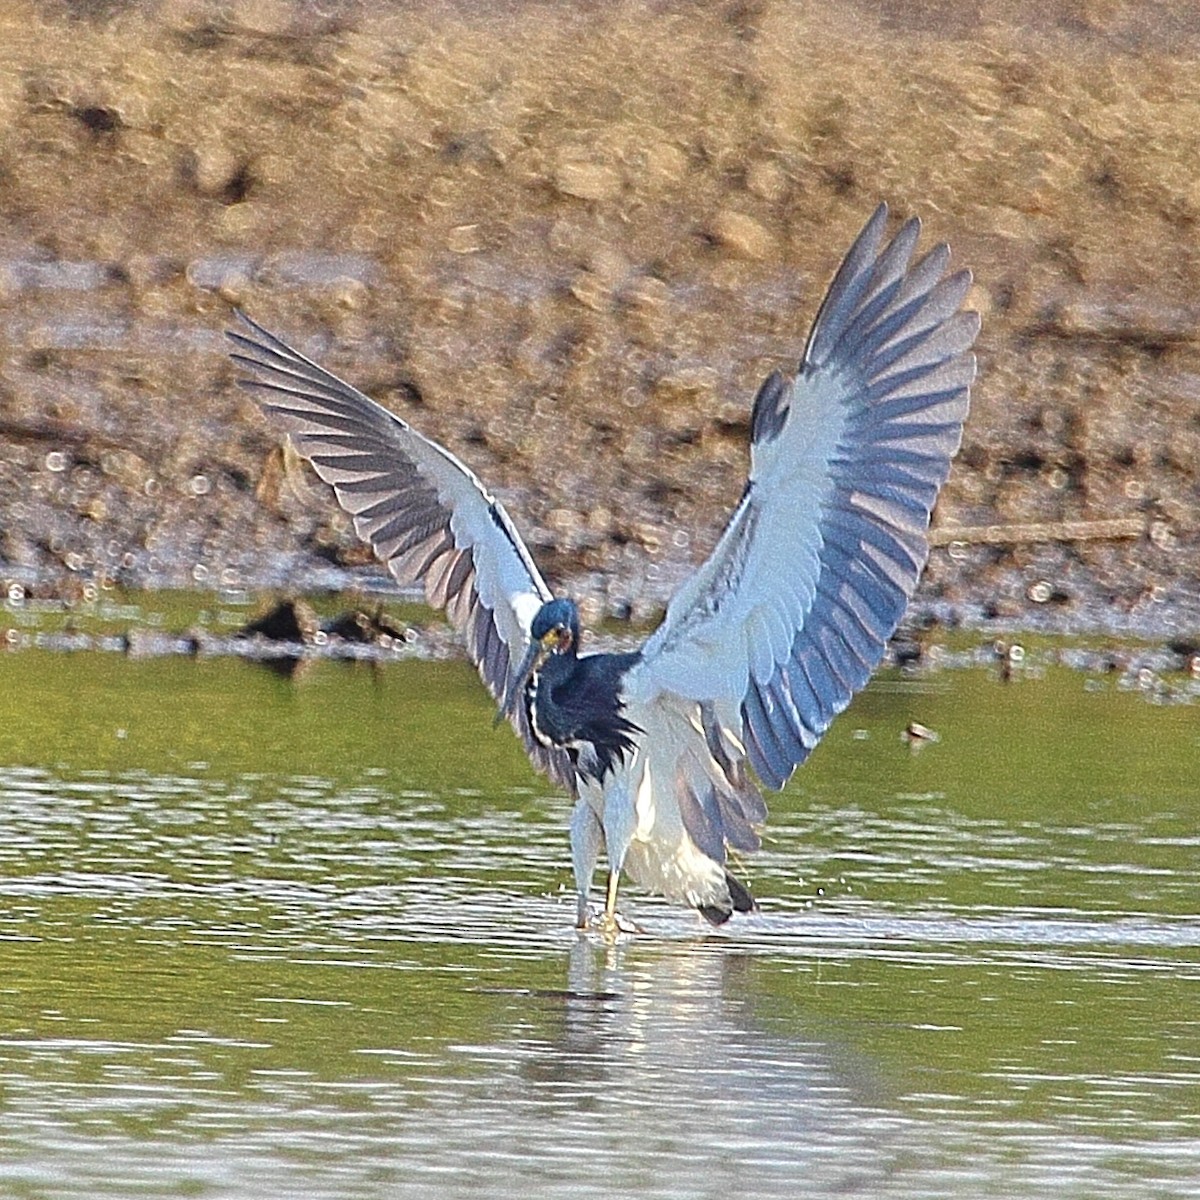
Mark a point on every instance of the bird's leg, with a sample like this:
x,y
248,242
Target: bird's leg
x,y
619,822
587,836
612,923
610,900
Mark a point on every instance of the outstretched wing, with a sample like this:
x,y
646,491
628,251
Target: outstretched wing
x,y
792,611
427,517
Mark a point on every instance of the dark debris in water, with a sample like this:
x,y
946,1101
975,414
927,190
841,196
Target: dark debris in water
x,y
367,628
281,637
287,621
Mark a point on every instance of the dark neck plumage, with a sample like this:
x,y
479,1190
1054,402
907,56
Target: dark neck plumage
x,y
575,703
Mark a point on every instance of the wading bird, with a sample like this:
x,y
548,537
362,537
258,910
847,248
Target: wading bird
x,y
760,648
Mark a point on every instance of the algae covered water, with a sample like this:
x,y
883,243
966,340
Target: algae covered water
x,y
311,936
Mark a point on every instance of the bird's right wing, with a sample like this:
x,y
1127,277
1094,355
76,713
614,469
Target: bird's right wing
x,y
426,516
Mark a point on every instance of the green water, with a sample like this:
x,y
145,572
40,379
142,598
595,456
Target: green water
x,y
312,937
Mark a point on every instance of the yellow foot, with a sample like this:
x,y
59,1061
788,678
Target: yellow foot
x,y
608,925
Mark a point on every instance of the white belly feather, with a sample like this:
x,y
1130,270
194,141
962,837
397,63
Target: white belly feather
x,y
661,856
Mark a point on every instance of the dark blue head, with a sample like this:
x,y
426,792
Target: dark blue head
x,y
554,630
555,627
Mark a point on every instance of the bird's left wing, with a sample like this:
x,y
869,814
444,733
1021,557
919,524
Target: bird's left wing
x,y
792,611
427,517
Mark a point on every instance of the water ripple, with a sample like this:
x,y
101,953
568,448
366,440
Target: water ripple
x,y
364,982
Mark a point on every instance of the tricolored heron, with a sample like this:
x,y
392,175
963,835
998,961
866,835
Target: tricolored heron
x,y
761,647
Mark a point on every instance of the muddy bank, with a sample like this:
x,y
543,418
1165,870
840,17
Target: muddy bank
x,y
568,241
